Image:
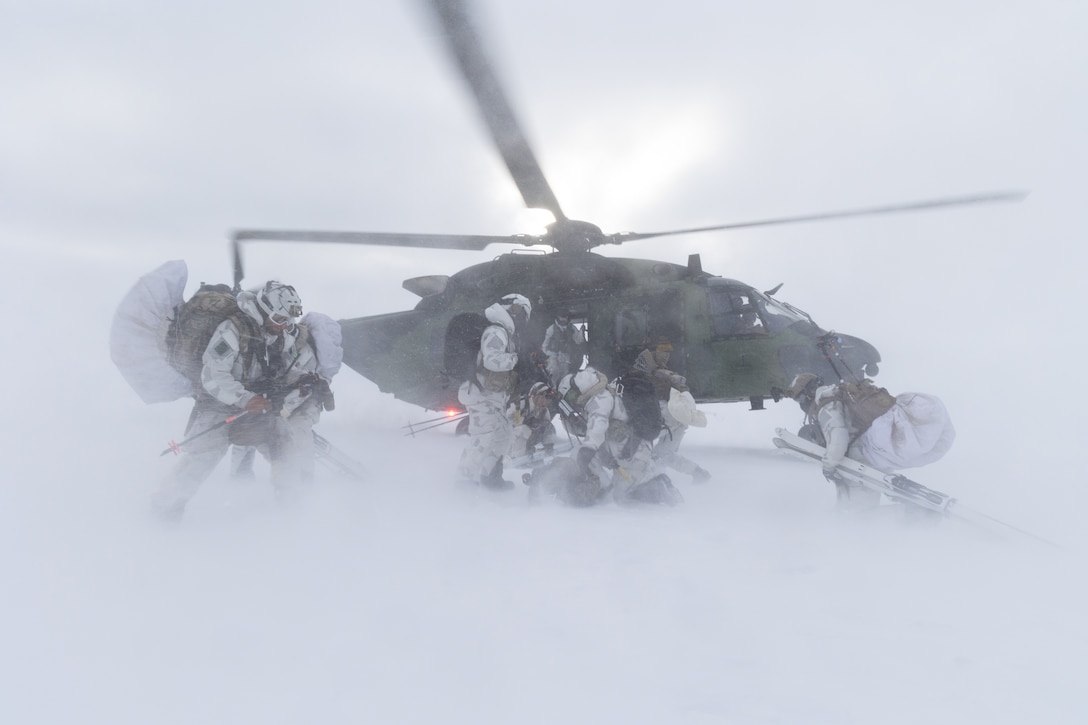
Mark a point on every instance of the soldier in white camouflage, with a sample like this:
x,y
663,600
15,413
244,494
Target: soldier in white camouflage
x,y
610,454
486,395
259,363
824,406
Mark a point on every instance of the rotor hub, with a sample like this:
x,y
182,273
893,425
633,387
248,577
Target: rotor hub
x,y
570,236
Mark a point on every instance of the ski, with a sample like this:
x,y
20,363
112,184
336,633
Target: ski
x,y
897,487
892,485
336,459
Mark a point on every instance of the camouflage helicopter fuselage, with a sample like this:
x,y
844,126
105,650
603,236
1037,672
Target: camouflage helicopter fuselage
x,y
732,342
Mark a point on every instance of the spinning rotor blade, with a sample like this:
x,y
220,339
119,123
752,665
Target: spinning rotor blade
x,y
869,211
464,43
429,241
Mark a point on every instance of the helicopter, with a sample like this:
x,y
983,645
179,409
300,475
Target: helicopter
x,y
730,340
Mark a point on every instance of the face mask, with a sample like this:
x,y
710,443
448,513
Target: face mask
x,y
517,314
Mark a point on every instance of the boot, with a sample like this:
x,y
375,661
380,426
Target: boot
x,y
494,479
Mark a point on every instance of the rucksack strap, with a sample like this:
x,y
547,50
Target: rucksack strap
x,y
601,384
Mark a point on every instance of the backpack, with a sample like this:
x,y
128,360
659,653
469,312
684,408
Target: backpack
x,y
640,399
864,403
462,345
195,321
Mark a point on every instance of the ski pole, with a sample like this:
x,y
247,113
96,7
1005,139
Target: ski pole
x,y
447,416
175,448
434,425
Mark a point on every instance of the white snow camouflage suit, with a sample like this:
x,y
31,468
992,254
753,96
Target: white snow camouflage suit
x,y
224,393
913,432
486,398
607,429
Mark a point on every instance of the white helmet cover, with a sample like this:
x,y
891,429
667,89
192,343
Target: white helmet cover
x,y
581,381
586,378
512,299
277,298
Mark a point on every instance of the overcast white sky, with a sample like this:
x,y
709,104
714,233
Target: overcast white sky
x,y
131,133
134,127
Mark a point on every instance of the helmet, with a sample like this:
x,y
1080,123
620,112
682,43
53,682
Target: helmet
x,y
279,302
540,396
801,382
513,299
586,378
539,389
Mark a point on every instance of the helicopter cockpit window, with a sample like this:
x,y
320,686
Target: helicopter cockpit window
x,y
777,315
734,312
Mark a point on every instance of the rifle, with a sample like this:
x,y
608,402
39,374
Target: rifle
x,y
276,389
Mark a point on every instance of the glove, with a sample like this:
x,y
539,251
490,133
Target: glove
x,y
306,384
314,384
831,473
324,393
258,405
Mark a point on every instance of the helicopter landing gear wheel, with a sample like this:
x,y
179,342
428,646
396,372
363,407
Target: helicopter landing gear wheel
x,y
871,369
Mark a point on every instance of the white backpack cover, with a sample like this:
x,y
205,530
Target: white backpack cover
x,y
328,342
914,432
682,407
138,331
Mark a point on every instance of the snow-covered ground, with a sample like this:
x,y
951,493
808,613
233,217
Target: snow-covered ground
x,y
407,599
135,133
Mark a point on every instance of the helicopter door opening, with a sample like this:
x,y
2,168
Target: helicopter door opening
x,y
635,325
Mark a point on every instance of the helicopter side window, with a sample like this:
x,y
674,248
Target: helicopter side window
x,y
632,328
734,313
